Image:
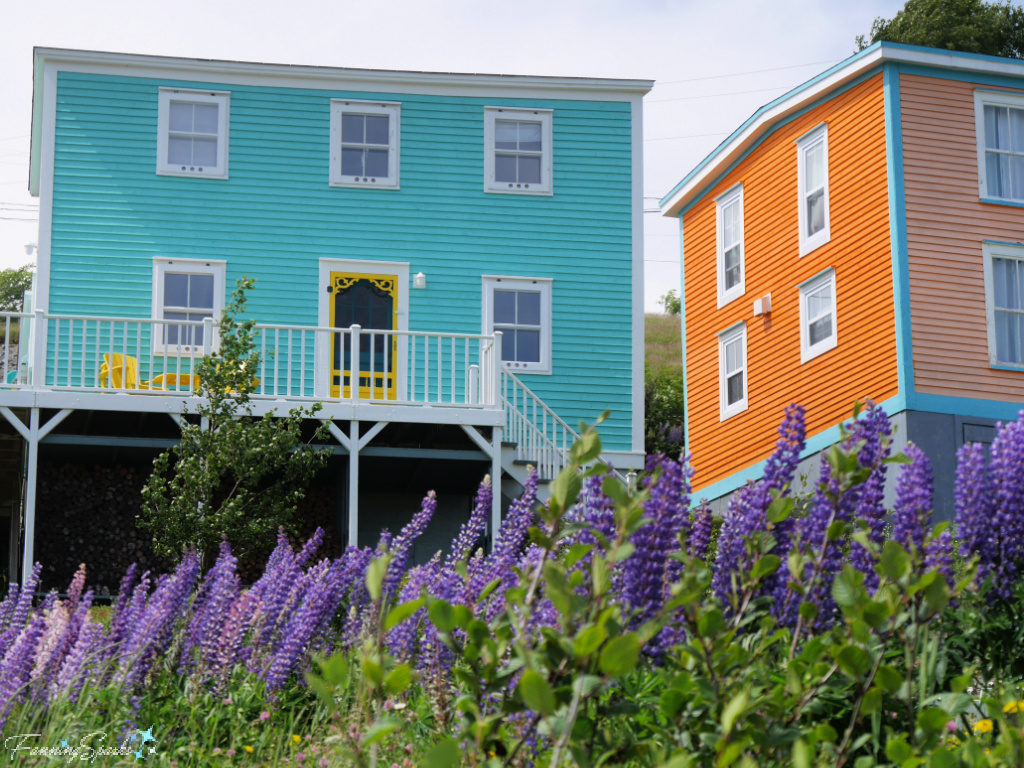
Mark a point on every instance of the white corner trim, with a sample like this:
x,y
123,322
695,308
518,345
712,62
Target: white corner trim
x,y
637,179
47,150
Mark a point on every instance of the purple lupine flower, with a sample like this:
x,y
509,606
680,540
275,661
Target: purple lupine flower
x,y
227,651
648,573
216,594
59,656
939,555
7,606
20,612
152,633
402,641
401,547
913,500
78,666
746,515
1008,474
16,667
701,530
76,587
310,547
297,633
473,529
874,431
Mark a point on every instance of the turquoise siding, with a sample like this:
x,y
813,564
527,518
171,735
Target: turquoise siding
x,y
276,216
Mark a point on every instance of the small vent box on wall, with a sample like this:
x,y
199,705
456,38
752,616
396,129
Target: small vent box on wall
x,y
763,306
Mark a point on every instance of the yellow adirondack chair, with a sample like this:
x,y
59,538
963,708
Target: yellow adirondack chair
x,y
121,372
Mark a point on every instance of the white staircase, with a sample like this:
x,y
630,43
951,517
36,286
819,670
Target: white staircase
x,y
534,435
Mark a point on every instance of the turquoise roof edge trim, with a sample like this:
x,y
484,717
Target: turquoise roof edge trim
x,y
898,231
874,54
814,444
999,410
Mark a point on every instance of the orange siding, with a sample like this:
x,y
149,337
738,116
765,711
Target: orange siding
x,y
946,224
864,362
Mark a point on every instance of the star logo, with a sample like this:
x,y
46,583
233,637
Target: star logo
x,y
64,744
146,735
139,756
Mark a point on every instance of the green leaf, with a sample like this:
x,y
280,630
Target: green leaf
x,y
895,561
599,574
843,592
889,678
536,692
565,489
932,720
836,530
375,575
853,661
765,566
381,729
372,671
589,640
711,623
808,611
942,758
803,754
400,613
898,750
872,701
444,754
936,594
442,615
672,702
398,679
576,553
780,509
619,657
733,710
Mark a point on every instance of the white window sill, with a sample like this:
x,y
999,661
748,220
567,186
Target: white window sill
x,y
729,298
528,192
814,243
352,184
732,410
527,368
818,350
192,174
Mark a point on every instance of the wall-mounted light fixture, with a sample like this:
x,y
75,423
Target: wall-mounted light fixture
x,y
419,280
30,248
763,306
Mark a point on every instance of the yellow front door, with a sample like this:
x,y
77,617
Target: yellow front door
x,y
371,302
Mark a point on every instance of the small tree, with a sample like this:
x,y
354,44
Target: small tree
x,y
232,474
13,284
672,302
996,29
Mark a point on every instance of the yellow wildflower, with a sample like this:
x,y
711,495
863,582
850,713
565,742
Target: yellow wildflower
x,y
983,726
296,738
1013,708
249,750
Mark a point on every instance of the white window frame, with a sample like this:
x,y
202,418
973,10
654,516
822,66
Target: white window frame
x,y
810,140
726,411
223,101
394,112
807,350
515,283
982,99
161,266
997,251
544,117
730,197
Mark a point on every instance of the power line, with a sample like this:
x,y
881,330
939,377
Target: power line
x,y
751,72
688,136
718,95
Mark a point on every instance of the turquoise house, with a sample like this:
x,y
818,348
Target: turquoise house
x,y
451,263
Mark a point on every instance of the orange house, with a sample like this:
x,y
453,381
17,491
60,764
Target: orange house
x,y
860,237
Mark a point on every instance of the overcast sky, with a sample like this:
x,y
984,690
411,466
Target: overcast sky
x,y
714,63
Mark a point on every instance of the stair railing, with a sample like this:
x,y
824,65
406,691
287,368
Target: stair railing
x,y
541,437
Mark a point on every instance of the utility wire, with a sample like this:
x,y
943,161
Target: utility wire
x,y
718,95
751,72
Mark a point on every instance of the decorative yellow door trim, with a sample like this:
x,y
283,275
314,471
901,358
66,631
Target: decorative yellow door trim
x,y
382,355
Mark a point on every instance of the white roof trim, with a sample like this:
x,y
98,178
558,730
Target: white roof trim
x,y
762,120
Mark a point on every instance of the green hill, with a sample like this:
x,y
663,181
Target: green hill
x,y
663,341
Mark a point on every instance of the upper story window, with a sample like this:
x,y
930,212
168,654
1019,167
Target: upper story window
x,y
732,371
187,291
1004,299
818,315
364,144
520,307
812,181
999,121
517,151
192,133
730,245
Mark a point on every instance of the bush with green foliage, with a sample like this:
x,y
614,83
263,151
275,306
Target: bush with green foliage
x,y
974,26
664,413
13,284
232,475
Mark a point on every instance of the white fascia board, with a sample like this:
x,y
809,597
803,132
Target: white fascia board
x,y
765,118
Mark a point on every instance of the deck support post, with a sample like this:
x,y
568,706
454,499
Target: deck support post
x,y
353,484
495,484
30,495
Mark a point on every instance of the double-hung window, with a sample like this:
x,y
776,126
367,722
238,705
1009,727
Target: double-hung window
x,y
812,182
999,123
517,151
732,371
730,245
192,133
187,291
364,144
1004,298
520,307
818,315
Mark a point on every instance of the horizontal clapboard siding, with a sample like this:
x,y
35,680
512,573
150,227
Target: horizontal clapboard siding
x,y
946,225
863,365
276,216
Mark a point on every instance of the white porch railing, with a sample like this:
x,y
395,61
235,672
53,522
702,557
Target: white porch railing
x,y
144,356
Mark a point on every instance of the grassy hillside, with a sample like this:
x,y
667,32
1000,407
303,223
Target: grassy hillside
x,y
664,350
